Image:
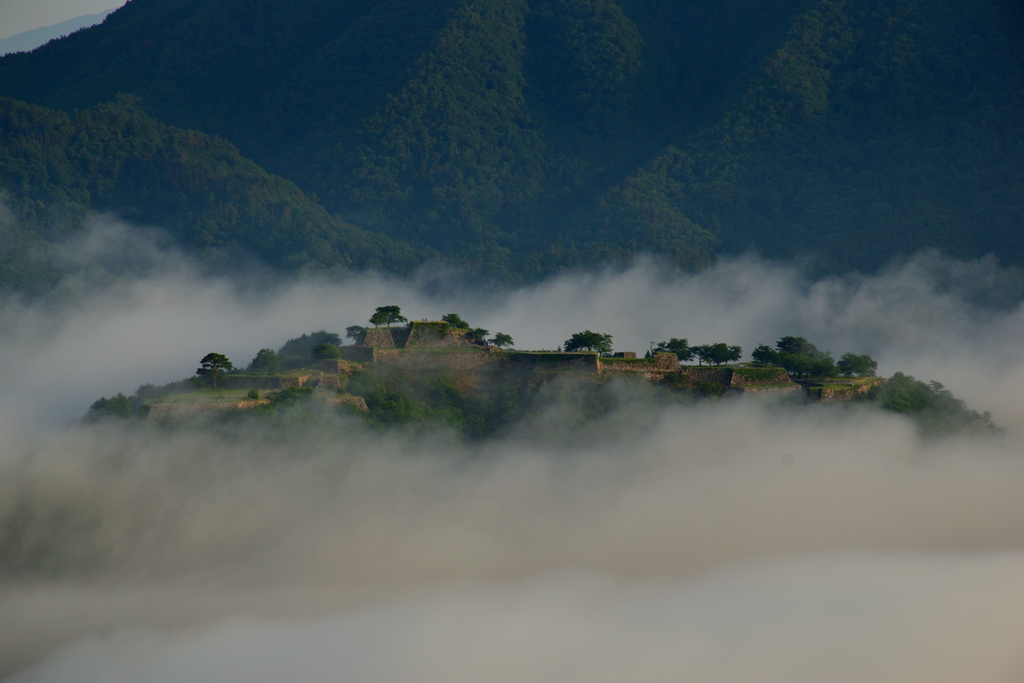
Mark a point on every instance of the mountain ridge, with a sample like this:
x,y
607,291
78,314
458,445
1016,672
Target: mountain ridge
x,y
515,138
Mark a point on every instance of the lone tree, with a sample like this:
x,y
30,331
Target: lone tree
x,y
501,340
680,347
265,361
354,332
326,351
213,365
802,358
589,341
385,315
455,321
766,355
703,353
716,354
860,365
723,353
479,335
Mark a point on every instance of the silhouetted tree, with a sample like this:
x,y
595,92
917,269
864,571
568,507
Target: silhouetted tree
x,y
860,365
589,341
478,334
298,352
386,315
456,321
703,353
265,361
501,340
801,358
766,355
115,406
723,353
214,365
680,347
326,351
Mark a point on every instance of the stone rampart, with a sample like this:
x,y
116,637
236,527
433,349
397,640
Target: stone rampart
x,y
297,381
712,375
840,392
386,338
437,359
759,377
178,410
427,334
334,367
358,354
437,335
271,382
357,402
739,378
660,364
330,381
553,362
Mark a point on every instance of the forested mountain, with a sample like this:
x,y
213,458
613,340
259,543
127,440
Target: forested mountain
x,y
518,137
57,168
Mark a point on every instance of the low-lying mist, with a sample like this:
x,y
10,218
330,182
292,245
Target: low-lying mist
x,y
731,540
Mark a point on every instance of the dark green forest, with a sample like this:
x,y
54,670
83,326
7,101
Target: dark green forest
x,y
517,138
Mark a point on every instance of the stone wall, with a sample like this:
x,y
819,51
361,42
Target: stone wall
x,y
330,381
838,393
429,359
427,334
357,402
553,362
438,335
660,364
739,378
713,375
178,410
334,367
270,382
386,338
759,377
358,354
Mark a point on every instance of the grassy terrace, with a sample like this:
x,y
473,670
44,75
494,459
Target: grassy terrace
x,y
296,372
723,366
204,395
555,356
836,382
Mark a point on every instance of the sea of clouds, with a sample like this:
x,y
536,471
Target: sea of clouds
x,y
738,540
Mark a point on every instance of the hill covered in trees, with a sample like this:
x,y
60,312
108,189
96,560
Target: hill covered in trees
x,y
443,374
519,137
57,168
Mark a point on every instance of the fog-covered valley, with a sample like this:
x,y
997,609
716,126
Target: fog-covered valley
x,y
730,540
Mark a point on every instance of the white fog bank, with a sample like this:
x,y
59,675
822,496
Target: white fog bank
x,y
956,322
842,619
729,541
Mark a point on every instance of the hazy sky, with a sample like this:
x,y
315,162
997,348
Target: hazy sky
x,y
18,16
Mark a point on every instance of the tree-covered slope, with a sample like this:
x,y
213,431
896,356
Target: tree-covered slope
x,y
57,168
523,136
875,129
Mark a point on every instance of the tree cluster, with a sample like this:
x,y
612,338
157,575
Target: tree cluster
x,y
801,358
589,341
712,354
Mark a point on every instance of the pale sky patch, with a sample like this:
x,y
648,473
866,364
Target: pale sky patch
x,y
18,16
